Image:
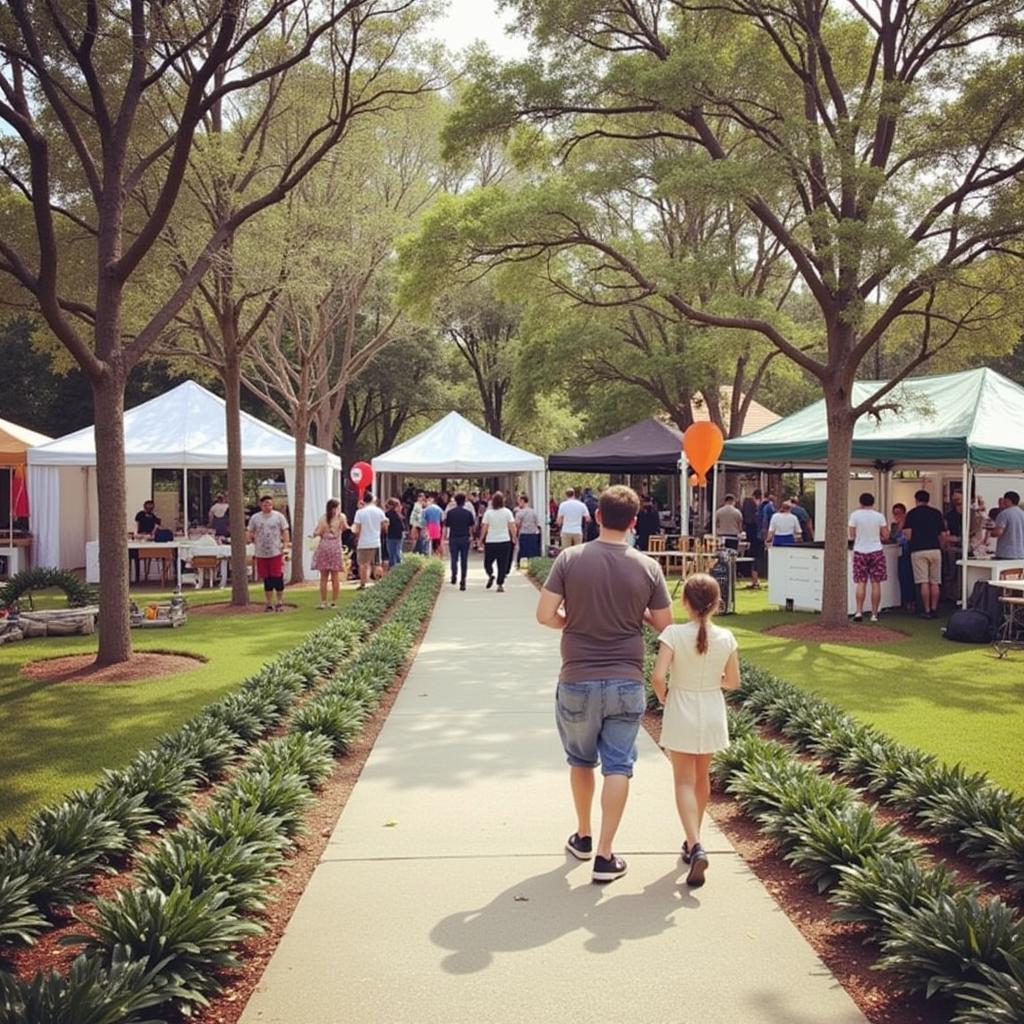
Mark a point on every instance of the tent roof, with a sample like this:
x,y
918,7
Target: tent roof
x,y
454,446
649,446
183,427
15,441
975,415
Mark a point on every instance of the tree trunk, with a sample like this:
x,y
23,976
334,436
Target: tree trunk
x,y
839,413
298,499
115,639
232,379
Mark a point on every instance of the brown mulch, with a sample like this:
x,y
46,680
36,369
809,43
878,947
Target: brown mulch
x,y
82,668
871,633
227,608
840,945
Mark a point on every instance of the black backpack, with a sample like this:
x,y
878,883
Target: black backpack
x,y
978,623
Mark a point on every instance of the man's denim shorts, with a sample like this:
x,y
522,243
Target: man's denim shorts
x,y
598,722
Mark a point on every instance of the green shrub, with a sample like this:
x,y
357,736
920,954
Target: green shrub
x,y
90,993
165,783
339,719
741,724
128,810
958,811
246,714
1001,850
53,880
280,793
308,755
941,947
799,794
873,891
895,762
183,939
746,753
207,747
821,841
999,999
20,919
188,860
77,829
231,818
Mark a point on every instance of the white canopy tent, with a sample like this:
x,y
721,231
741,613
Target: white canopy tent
x,y
182,429
454,447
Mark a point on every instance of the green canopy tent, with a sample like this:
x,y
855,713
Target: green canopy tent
x,y
971,421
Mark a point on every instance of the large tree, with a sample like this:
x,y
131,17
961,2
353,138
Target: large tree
x,y
879,144
104,100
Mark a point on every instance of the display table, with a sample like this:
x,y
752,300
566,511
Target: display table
x,y
185,550
986,569
796,576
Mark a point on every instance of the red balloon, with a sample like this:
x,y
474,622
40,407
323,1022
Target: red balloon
x,y
703,443
361,475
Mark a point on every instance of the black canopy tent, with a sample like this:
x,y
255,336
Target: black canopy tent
x,y
649,446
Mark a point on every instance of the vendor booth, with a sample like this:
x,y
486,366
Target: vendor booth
x,y
957,432
15,535
183,429
649,446
454,447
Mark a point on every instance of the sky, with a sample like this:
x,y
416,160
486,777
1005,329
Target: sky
x,y
470,20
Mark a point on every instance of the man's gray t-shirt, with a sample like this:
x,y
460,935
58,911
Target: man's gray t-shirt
x,y
606,588
1011,543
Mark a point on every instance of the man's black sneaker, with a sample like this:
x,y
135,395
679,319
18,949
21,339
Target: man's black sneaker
x,y
607,869
698,865
581,847
462,585
490,582
453,581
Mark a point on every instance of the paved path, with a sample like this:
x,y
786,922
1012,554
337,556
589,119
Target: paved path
x,y
444,894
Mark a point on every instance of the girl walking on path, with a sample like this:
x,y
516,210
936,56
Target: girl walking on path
x,y
329,559
696,661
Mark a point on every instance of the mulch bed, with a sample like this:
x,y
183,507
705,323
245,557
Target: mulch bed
x,y
82,668
871,633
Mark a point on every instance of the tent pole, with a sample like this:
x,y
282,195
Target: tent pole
x,y
714,497
684,500
965,525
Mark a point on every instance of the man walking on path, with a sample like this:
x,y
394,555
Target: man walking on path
x,y
572,519
868,531
459,523
599,595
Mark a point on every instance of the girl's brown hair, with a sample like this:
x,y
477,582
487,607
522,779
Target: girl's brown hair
x,y
332,510
703,596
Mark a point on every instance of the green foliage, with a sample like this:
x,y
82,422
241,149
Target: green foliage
x,y
187,859
234,819
281,793
166,784
940,947
20,919
207,746
77,829
823,840
79,594
183,939
999,999
872,892
53,880
90,993
307,755
338,719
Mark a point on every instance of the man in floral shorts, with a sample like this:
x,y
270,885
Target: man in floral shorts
x,y
868,531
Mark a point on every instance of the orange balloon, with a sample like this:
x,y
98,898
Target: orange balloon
x,y
703,443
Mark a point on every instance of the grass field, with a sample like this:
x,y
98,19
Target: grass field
x,y
59,736
958,701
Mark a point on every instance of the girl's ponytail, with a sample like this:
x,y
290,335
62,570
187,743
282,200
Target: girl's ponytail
x,y
703,596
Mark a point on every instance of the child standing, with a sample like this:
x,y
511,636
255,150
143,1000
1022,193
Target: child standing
x,y
701,660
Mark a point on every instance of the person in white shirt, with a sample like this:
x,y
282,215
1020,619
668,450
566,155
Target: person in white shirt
x,y
868,531
572,516
498,533
366,526
783,527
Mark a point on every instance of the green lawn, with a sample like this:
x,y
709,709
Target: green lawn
x,y
958,701
59,736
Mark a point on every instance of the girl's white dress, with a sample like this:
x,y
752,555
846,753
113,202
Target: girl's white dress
x,y
694,721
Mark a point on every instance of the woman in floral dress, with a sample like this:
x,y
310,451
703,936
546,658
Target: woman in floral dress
x,y
328,558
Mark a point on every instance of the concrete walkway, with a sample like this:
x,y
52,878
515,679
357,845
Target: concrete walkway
x,y
444,894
